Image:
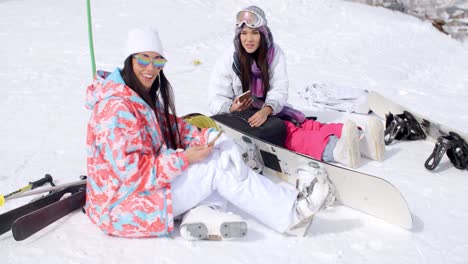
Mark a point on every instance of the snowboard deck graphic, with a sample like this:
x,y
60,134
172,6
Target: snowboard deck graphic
x,y
382,105
363,192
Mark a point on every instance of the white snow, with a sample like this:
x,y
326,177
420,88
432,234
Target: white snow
x,y
45,68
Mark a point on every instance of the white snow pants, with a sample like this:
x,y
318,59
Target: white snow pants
x,y
271,204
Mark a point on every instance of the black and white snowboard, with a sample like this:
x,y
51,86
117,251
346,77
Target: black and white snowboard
x,y
382,106
363,192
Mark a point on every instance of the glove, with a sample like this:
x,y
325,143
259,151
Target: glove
x,y
229,154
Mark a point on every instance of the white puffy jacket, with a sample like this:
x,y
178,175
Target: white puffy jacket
x,y
225,85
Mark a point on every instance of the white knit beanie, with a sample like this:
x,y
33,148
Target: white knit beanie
x,y
144,39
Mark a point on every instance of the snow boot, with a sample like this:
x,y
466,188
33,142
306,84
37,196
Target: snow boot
x,y
316,192
372,143
206,222
347,150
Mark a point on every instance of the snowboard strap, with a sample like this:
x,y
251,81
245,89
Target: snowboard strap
x,y
402,127
456,149
459,154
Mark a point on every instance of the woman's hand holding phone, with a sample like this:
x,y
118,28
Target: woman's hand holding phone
x,y
241,102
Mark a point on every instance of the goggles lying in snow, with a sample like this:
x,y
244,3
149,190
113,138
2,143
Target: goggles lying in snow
x,y
250,18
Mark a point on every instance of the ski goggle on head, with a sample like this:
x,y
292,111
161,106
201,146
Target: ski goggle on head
x,y
145,61
250,18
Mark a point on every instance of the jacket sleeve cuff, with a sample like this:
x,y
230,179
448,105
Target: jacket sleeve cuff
x,y
274,106
225,108
184,159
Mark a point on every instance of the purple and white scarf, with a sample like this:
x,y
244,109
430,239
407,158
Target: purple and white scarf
x,y
257,88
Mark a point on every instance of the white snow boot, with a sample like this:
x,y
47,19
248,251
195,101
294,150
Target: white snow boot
x,y
209,223
347,150
372,142
316,192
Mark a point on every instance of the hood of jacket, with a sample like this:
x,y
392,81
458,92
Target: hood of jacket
x,y
106,85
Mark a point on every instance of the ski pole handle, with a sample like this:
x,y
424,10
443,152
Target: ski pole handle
x,y
47,179
30,186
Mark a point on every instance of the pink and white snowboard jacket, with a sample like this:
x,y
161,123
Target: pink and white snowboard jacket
x,y
130,168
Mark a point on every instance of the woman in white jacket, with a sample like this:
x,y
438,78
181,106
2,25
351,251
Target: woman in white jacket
x,y
226,85
258,65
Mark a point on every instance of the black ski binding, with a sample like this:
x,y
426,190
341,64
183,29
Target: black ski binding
x,y
402,127
456,149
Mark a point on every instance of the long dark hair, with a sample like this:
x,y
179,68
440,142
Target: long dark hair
x,y
260,56
162,85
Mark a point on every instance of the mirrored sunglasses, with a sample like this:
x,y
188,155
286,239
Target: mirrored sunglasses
x,y
250,18
145,61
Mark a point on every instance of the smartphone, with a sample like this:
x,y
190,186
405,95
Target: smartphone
x,y
212,142
244,96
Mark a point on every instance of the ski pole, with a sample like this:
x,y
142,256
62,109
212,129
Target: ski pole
x,y
32,185
49,189
90,37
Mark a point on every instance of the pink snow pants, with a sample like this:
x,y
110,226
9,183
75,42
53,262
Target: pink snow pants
x,y
311,138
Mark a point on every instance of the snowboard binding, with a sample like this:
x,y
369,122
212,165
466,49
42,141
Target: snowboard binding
x,y
402,127
251,154
305,182
456,149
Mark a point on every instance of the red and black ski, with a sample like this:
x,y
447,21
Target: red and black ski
x,y
44,210
31,223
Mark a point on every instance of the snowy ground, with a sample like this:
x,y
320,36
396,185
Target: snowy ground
x,y
46,67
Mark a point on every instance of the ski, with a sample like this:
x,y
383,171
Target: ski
x,y
31,223
360,191
7,219
56,193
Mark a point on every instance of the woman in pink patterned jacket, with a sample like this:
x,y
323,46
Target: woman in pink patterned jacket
x,y
146,166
